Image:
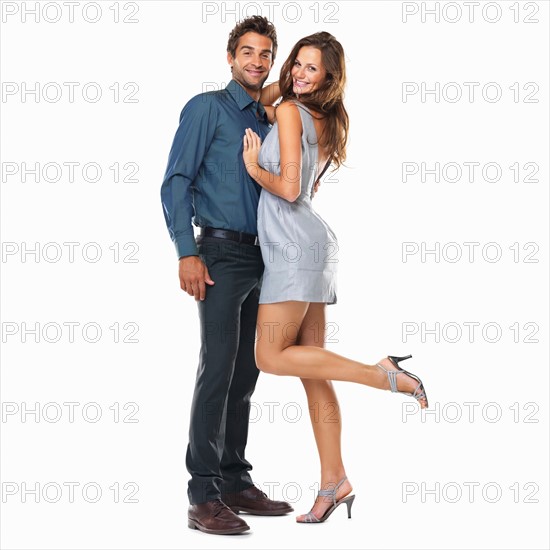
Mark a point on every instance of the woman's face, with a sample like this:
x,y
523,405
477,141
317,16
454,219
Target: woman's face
x,y
308,72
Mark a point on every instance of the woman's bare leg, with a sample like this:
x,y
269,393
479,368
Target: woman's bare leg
x,y
324,412
277,352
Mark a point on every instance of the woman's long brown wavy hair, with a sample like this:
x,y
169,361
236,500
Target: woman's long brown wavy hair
x,y
328,99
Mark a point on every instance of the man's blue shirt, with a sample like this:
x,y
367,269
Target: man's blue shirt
x,y
206,183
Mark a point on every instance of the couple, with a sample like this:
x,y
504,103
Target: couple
x,y
262,261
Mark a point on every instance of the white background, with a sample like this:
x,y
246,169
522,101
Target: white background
x,y
171,52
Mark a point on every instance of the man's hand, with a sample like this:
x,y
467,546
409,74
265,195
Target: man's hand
x,y
193,276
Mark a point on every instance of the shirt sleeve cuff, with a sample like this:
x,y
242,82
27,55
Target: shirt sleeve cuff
x,y
186,246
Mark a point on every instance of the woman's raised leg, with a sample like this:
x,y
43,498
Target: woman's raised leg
x,y
277,353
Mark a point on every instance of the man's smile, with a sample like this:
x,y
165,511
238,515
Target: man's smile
x,y
255,72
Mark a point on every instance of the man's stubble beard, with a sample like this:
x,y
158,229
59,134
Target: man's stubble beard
x,y
244,84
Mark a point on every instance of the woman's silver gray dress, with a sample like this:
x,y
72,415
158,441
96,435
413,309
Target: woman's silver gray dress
x,y
298,247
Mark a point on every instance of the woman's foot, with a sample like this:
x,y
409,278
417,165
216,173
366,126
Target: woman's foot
x,y
322,503
405,383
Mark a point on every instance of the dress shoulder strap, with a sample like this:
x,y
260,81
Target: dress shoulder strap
x,y
300,105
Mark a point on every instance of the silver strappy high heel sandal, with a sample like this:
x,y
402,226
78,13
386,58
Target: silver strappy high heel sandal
x,y
419,392
310,517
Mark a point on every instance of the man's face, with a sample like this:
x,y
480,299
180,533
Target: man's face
x,y
253,60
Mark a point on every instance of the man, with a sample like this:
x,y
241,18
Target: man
x,y
206,183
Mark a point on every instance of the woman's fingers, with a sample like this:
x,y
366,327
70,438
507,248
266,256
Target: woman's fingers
x,y
257,140
251,139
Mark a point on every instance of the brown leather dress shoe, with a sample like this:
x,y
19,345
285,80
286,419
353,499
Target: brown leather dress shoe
x,y
215,518
254,501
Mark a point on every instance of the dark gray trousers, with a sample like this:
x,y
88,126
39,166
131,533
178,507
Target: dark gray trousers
x,y
227,372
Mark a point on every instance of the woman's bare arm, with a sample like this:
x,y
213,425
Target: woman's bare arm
x,y
270,112
288,184
270,94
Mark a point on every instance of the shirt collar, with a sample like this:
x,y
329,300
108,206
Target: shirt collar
x,y
239,94
242,98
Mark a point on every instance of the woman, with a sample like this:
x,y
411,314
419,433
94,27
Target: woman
x,y
298,249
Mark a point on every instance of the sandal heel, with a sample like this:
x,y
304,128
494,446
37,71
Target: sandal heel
x,y
349,504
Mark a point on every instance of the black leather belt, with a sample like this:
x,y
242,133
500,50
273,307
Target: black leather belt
x,y
237,236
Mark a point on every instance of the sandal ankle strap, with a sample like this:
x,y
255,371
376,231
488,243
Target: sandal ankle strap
x,y
332,492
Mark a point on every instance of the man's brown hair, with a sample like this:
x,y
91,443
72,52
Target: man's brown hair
x,y
257,24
